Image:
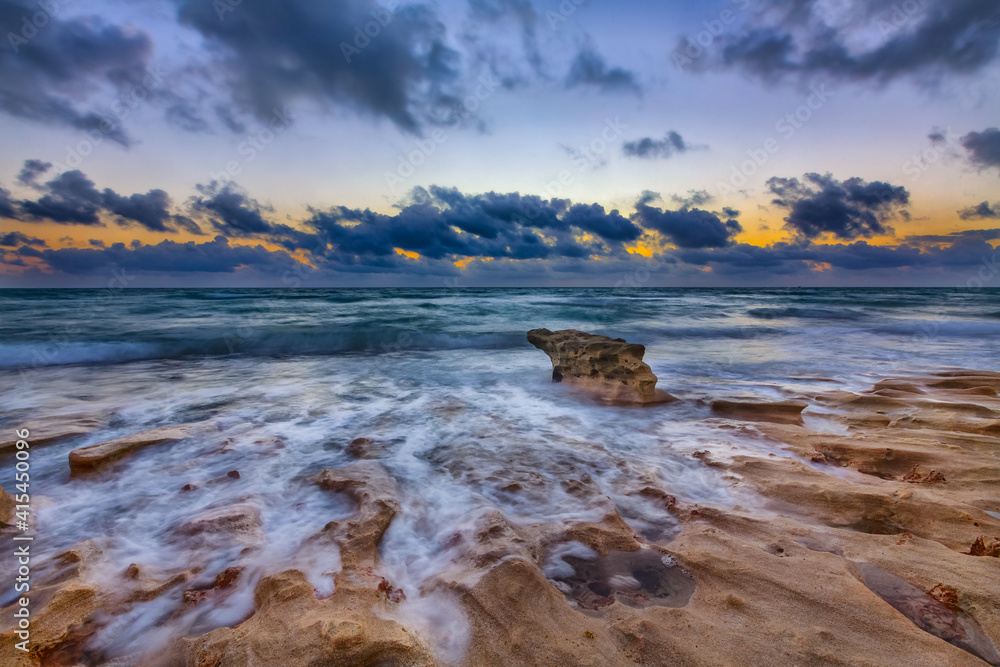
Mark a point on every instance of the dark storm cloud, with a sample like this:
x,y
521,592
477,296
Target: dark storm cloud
x,y
964,236
45,71
611,226
16,239
651,149
982,211
983,147
442,223
216,256
794,37
150,210
72,199
31,170
279,51
7,207
847,209
687,227
232,211
787,258
590,69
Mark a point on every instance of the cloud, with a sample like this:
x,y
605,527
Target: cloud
x,y
8,209
15,239
49,77
650,149
216,256
151,210
72,199
232,211
847,209
694,198
277,52
982,211
30,172
611,226
877,40
961,252
443,223
983,147
687,227
590,69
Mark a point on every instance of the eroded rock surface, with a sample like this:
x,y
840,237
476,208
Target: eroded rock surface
x,y
91,458
610,368
292,627
375,493
852,552
782,412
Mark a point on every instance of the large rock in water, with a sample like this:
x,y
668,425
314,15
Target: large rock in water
x,y
609,367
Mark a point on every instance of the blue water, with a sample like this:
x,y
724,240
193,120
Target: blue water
x,y
446,382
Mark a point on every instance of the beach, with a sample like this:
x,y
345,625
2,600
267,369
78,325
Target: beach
x,y
391,477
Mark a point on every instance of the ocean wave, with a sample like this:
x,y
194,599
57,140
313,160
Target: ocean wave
x,y
256,343
805,313
932,329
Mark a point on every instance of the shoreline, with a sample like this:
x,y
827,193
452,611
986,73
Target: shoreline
x,y
856,551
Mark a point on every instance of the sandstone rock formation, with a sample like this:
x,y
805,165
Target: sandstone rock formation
x,y
374,491
101,454
610,368
292,627
779,411
840,558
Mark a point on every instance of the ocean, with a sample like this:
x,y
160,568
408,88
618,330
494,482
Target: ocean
x,y
445,383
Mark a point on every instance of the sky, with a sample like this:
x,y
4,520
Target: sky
x,y
466,143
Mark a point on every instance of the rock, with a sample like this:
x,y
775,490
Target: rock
x,y
6,508
222,585
375,492
517,617
609,367
101,454
362,448
914,477
783,412
146,583
980,548
292,627
945,595
241,520
640,578
62,608
929,613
